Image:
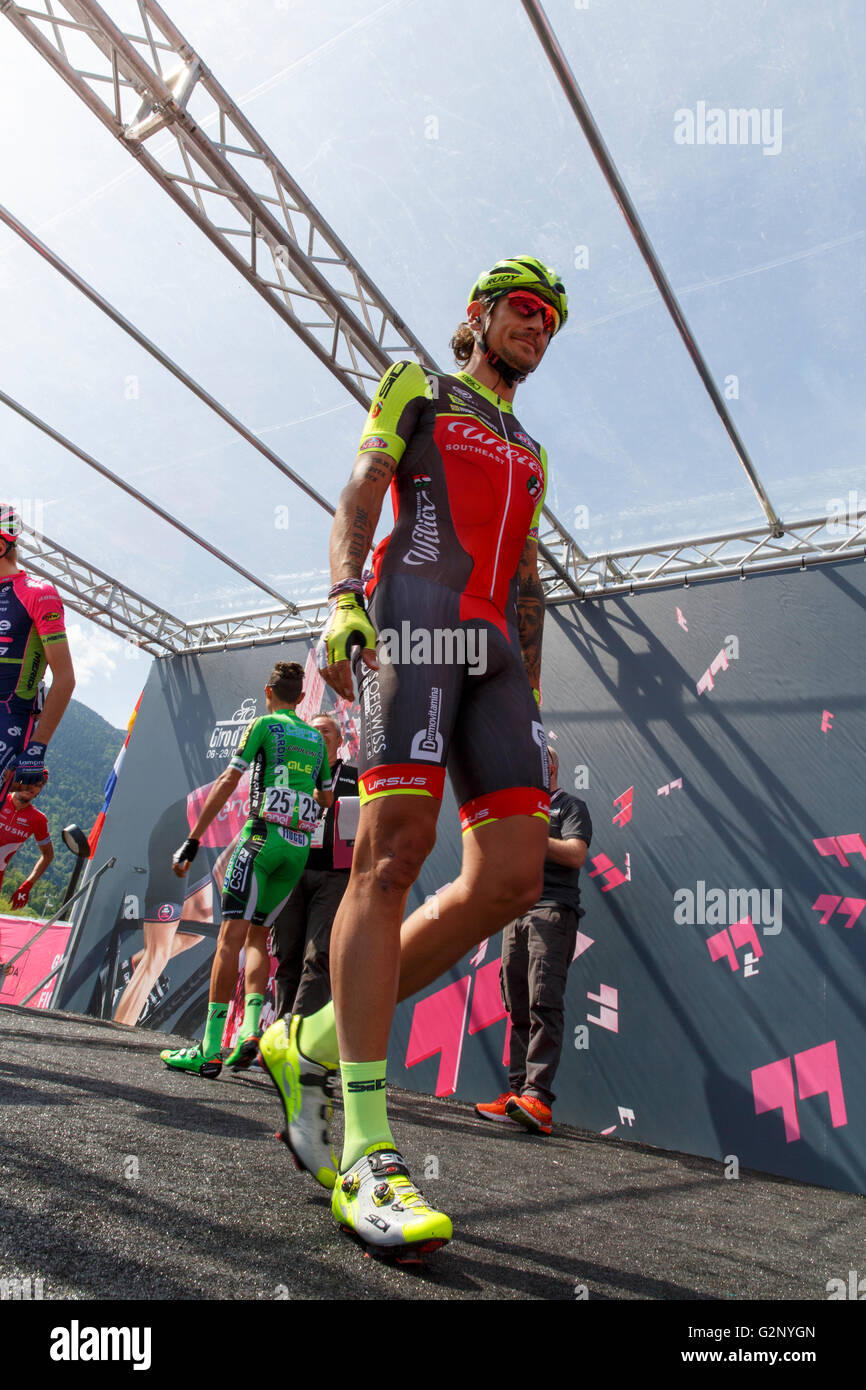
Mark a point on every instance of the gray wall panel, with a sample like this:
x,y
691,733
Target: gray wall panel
x,y
762,780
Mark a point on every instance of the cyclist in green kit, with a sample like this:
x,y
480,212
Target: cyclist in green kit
x,y
289,780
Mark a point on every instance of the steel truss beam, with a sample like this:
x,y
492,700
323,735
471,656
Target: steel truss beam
x,y
140,84
232,184
143,83
104,601
734,554
95,595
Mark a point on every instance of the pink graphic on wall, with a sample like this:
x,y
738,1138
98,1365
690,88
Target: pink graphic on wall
x,y
480,953
36,962
681,620
348,716
626,1117
438,1025
487,1006
828,904
826,722
724,944
625,802
608,1015
582,943
314,688
840,846
229,821
817,1072
718,663
235,1016
670,787
773,1089
613,876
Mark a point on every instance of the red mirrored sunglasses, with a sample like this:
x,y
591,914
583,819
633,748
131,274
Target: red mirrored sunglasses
x,y
529,304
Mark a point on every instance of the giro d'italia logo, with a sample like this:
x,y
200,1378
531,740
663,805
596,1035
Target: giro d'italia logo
x,y
227,733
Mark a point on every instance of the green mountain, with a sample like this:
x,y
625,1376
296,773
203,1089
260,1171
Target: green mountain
x,y
80,757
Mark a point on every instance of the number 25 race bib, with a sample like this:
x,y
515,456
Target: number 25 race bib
x,y
281,804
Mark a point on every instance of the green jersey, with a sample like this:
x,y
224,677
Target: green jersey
x,y
287,761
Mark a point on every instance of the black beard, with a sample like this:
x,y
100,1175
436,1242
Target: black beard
x,y
510,360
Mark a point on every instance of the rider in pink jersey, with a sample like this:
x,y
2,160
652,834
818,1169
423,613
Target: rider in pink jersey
x,y
32,635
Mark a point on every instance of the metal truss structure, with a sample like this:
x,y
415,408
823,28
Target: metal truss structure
x,y
731,555
120,610
242,198
231,184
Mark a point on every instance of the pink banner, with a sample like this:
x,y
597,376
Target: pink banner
x,y
34,964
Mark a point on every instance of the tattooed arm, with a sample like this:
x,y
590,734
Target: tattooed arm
x,y
358,515
530,611
351,537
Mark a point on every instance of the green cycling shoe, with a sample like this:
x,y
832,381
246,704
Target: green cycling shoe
x,y
192,1059
244,1053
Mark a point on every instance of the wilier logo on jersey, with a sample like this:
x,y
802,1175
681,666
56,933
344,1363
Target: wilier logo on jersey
x,y
533,486
425,532
427,744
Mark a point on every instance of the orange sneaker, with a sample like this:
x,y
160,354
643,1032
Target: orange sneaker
x,y
531,1112
495,1109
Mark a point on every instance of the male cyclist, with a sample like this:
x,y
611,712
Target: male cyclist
x,y
32,635
458,607
289,774
19,819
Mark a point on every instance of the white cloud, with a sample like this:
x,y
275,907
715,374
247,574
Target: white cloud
x,y
94,652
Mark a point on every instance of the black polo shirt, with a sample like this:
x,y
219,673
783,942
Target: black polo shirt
x,y
344,783
569,820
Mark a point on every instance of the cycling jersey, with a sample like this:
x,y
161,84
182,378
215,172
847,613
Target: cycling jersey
x,y
451,689
287,760
31,618
468,490
16,827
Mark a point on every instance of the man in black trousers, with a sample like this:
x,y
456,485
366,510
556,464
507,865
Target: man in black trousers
x,y
537,950
301,935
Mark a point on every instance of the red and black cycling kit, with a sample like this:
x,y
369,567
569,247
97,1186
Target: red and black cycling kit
x,y
31,617
16,827
451,689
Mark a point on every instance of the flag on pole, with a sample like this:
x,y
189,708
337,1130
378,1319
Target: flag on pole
x,y
111,783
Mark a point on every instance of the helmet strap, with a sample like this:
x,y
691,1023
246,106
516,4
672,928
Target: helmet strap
x,y
512,376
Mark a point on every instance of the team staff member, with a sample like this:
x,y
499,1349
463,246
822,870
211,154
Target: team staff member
x,y
289,773
467,485
537,950
19,819
32,635
301,935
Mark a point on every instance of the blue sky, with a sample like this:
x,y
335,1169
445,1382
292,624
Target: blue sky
x,y
435,139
